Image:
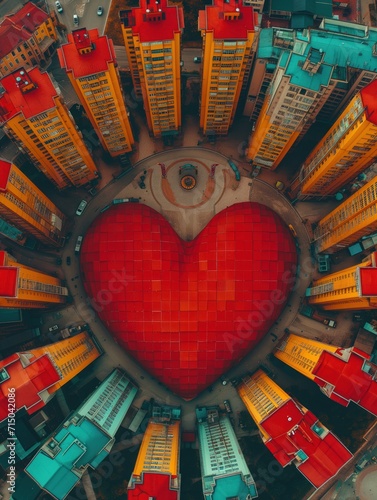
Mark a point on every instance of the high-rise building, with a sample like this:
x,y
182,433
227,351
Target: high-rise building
x,y
304,76
156,472
291,432
227,29
34,376
152,37
348,222
89,60
343,375
25,206
82,441
225,473
347,149
25,287
352,288
38,373
33,114
28,38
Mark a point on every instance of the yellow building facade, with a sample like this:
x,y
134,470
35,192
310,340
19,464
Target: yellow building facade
x,y
24,287
347,149
261,396
89,60
158,459
36,118
70,356
302,354
354,218
227,30
28,38
152,37
25,206
351,288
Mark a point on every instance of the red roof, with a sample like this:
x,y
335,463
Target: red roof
x,y
349,380
156,486
5,167
367,277
31,103
27,381
89,63
8,281
215,20
29,16
10,37
291,431
189,310
155,21
369,98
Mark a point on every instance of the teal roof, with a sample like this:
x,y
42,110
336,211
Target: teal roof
x,y
10,315
10,231
342,45
232,486
76,445
322,8
85,439
305,79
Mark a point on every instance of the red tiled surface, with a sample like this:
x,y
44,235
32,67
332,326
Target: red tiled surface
x,y
188,311
291,430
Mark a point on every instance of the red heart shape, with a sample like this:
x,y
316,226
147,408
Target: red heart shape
x,y
188,310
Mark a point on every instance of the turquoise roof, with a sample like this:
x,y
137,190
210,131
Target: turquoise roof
x,y
10,231
232,486
322,8
342,45
85,439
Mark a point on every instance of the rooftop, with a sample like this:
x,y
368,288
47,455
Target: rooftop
x,y
154,21
85,439
338,372
86,53
30,378
229,20
369,98
5,168
8,277
32,95
366,278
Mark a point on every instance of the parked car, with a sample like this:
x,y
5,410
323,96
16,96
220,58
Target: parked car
x,y
81,207
227,406
53,328
59,7
76,21
197,59
68,260
78,244
99,11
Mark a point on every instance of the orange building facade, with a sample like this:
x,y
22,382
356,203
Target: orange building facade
x,y
227,30
351,288
89,60
152,37
35,117
351,220
25,206
24,287
347,149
